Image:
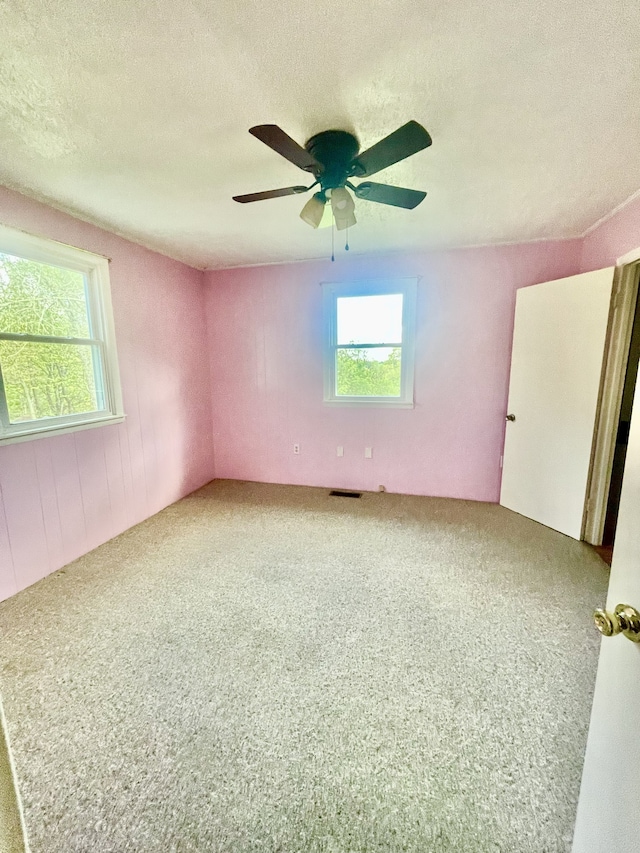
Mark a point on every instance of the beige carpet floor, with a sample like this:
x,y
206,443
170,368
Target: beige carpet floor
x,y
267,668
11,830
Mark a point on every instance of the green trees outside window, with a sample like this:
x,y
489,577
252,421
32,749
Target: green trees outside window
x,y
362,372
46,379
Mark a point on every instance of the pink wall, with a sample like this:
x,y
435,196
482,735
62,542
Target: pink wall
x,y
63,496
259,331
615,237
265,334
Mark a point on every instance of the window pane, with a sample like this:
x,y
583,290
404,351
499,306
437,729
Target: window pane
x,y
40,299
370,319
50,380
371,372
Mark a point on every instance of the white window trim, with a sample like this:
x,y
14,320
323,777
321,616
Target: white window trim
x,y
331,291
96,268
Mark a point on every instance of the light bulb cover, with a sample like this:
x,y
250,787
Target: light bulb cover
x,y
343,208
313,210
341,201
345,221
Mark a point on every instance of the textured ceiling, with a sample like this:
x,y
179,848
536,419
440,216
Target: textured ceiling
x,y
135,115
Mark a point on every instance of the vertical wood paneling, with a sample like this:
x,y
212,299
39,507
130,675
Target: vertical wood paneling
x,y
8,584
64,495
146,433
49,503
23,511
137,467
115,480
69,497
127,479
93,486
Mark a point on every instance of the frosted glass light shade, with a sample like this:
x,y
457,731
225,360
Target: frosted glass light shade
x,y
312,212
341,200
343,208
347,221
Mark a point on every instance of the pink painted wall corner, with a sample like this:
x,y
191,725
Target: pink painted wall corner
x,y
64,495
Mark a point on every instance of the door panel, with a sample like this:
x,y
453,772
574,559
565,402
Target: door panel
x,y
558,348
609,807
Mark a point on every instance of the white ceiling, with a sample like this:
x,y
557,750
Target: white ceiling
x,y
134,116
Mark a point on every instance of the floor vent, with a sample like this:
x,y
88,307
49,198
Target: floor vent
x,y
336,493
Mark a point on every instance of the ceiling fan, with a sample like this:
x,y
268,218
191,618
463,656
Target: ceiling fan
x,y
333,157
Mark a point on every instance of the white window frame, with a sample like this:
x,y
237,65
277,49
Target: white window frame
x,y
96,270
332,291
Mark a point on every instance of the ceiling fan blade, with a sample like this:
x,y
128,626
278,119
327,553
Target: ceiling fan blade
x,y
243,199
402,143
386,194
280,142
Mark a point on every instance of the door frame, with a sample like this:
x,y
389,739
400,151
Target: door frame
x,y
614,366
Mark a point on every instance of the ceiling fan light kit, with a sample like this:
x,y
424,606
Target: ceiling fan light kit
x,y
313,211
343,208
333,157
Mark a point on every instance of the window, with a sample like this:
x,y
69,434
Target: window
x,y
58,364
369,343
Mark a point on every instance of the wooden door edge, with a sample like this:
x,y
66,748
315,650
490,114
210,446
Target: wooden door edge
x,y
621,314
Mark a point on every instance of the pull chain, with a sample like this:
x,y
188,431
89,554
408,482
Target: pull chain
x,y
346,245
333,222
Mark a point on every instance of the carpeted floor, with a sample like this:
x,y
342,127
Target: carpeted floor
x,y
11,830
267,668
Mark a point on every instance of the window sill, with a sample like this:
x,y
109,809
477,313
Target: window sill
x,y
60,429
370,402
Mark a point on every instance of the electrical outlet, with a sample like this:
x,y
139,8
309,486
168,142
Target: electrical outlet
x,y
340,450
368,452
296,449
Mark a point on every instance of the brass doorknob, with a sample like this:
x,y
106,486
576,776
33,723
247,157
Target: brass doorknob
x,y
624,620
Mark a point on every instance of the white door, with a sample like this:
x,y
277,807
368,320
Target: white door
x,y
558,349
609,808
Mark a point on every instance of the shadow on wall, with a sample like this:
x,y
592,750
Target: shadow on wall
x,y
12,838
